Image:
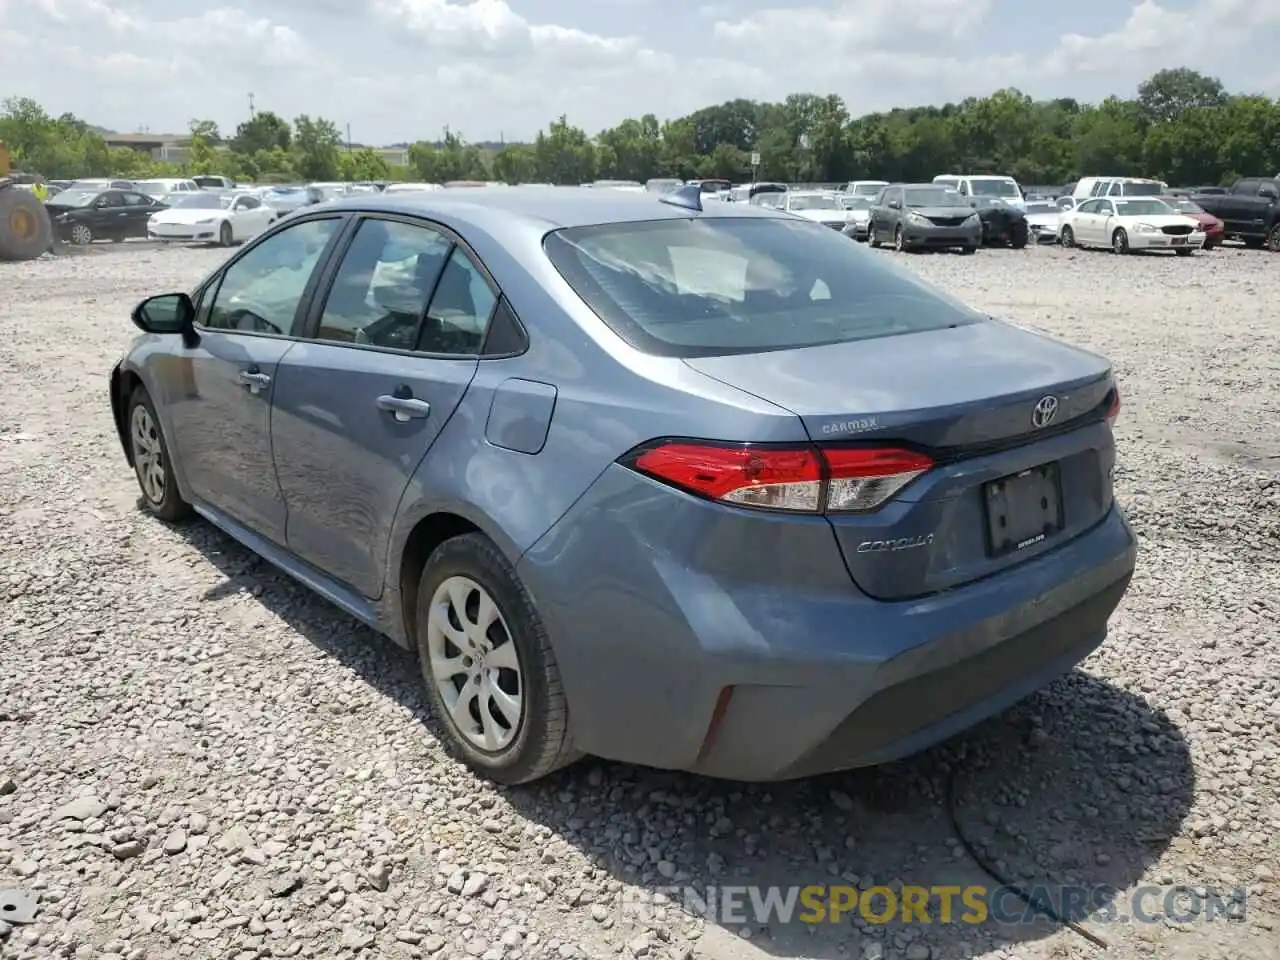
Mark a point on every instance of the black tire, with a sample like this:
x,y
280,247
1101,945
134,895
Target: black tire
x,y
1273,238
1018,238
1067,237
82,234
224,235
542,744
1120,241
968,251
169,504
25,229
1183,251
872,240
899,239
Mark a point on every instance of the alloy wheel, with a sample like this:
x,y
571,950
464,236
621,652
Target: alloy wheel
x,y
81,234
474,664
148,454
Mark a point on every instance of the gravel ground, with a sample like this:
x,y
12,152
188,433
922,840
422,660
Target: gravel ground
x,y
200,759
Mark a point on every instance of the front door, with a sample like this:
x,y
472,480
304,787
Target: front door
x,y
360,402
138,210
221,404
110,219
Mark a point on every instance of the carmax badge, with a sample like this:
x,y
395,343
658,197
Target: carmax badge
x,y
893,546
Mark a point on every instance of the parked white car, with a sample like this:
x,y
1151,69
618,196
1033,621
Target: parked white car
x,y
165,189
1124,225
209,217
1005,189
1043,219
865,188
823,208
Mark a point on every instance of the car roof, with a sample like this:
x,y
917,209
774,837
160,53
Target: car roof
x,y
538,208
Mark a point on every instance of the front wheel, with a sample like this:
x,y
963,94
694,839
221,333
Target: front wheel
x,y
1018,239
1120,241
224,235
872,240
151,462
899,241
1067,237
1183,251
81,234
491,677
1273,239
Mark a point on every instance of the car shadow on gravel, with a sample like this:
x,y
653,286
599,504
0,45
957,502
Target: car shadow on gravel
x,y
1083,784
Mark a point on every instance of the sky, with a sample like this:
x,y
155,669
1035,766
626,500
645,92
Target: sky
x,y
398,70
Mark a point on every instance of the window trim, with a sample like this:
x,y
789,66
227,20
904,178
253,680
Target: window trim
x,y
328,274
213,285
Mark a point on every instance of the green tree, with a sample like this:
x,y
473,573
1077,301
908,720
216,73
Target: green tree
x,y
1168,94
263,131
564,154
207,130
515,163
316,148
202,157
363,164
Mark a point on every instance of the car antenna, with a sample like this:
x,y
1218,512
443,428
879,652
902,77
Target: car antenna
x,y
689,196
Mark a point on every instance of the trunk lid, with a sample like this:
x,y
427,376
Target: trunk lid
x,y
966,395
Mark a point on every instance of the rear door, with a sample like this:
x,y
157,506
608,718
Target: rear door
x,y
1237,206
221,390
389,354
109,219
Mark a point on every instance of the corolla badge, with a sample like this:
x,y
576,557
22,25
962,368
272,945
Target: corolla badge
x,y
893,546
1046,409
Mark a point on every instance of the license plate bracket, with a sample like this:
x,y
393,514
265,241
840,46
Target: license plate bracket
x,y
1023,509
1178,241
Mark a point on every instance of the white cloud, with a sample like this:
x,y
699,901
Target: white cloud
x,y
1156,36
402,69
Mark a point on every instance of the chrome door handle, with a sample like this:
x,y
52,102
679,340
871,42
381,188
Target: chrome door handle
x,y
404,409
255,381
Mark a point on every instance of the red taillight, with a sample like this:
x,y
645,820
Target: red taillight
x,y
1113,411
802,479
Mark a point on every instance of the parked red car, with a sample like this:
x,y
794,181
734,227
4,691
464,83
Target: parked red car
x,y
1212,226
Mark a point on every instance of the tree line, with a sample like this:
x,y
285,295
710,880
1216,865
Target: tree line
x,y
1181,126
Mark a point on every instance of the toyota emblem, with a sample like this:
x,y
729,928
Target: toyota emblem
x,y
1045,410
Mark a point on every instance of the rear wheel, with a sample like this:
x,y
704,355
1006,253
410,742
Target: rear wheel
x,y
491,677
1120,241
1067,237
224,234
151,463
872,240
1018,238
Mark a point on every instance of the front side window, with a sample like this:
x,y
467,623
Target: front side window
x,y
260,292
380,291
719,286
933,197
111,199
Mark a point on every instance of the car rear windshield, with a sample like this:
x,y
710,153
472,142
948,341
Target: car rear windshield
x,y
715,286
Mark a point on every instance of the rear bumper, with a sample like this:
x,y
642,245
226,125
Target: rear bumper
x,y
688,641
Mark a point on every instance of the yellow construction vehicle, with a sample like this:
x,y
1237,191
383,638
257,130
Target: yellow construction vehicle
x,y
25,228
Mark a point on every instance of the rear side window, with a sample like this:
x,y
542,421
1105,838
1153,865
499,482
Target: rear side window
x,y
717,286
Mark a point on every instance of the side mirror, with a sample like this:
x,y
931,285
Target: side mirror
x,y
167,313
1269,193
895,204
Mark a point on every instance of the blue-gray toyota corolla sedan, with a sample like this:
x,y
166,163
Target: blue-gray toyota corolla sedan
x,y
713,490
